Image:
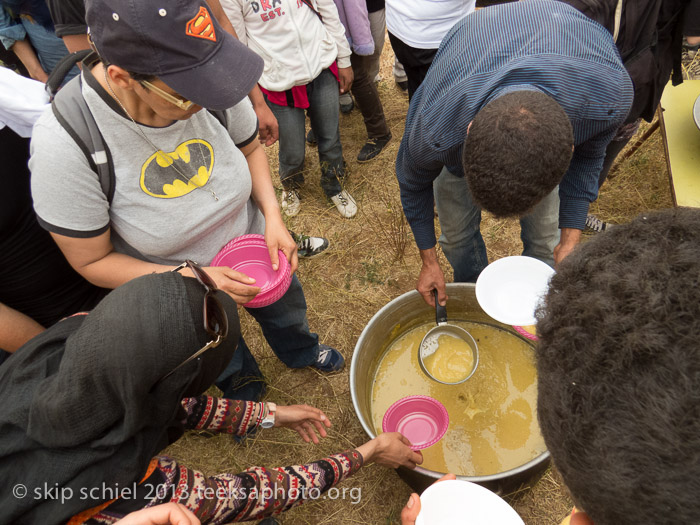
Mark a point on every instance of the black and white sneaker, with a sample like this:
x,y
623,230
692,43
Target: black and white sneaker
x,y
291,202
309,246
594,225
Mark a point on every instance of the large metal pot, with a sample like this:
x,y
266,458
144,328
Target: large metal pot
x,y
395,318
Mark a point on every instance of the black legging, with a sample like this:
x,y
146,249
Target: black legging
x,y
415,61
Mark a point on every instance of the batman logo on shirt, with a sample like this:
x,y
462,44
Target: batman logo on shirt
x,y
174,174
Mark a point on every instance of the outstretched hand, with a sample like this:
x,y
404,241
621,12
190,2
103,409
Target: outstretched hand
x,y
303,419
390,449
166,514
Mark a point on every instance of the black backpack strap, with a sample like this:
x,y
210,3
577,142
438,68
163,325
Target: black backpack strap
x,y
73,113
221,116
60,70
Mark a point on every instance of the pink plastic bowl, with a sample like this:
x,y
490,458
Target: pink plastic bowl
x,y
525,333
248,254
421,419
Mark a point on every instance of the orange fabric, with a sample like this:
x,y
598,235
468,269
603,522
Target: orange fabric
x,y
201,25
81,518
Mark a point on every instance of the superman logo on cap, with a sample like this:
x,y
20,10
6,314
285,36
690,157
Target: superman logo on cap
x,y
201,26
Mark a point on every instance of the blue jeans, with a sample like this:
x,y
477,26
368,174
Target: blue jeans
x,y
286,329
49,48
323,113
460,220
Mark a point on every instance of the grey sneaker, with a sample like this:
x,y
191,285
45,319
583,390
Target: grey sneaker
x,y
309,246
290,202
594,225
345,204
346,103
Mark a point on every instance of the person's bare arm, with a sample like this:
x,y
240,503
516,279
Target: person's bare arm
x,y
268,127
277,235
221,17
390,449
95,259
76,42
16,328
568,240
431,277
267,123
25,52
693,40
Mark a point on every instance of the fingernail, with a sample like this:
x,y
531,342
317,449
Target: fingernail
x,y
410,502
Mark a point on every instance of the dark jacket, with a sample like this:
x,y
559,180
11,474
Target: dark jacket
x,y
650,43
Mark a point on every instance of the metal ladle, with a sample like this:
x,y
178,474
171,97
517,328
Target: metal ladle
x,y
429,344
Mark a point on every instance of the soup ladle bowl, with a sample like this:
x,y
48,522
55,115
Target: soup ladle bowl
x,y
431,341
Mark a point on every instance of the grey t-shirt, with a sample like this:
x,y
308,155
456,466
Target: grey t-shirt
x,y
156,214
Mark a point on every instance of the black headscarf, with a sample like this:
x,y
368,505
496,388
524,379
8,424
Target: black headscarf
x,y
80,407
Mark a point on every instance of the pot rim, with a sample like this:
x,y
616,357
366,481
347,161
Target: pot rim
x,y
544,456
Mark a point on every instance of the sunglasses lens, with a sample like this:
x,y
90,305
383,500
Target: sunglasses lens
x,y
215,319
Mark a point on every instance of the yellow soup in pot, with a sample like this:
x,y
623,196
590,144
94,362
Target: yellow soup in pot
x,y
493,423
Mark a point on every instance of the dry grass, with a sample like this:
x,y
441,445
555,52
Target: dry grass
x,y
372,259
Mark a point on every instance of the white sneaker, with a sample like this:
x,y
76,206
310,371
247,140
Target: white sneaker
x,y
345,203
290,202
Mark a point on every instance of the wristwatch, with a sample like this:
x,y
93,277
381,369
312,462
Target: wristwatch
x,y
269,420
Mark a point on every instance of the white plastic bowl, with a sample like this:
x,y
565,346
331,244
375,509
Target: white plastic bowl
x,y
510,289
457,502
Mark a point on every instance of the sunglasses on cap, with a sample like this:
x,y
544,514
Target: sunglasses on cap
x,y
215,319
183,104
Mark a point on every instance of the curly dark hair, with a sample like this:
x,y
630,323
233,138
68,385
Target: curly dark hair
x,y
516,152
618,367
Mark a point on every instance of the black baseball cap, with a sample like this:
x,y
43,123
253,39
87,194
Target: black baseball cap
x,y
180,42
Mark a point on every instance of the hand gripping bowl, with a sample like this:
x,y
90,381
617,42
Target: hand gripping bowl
x,y
421,419
397,317
248,254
